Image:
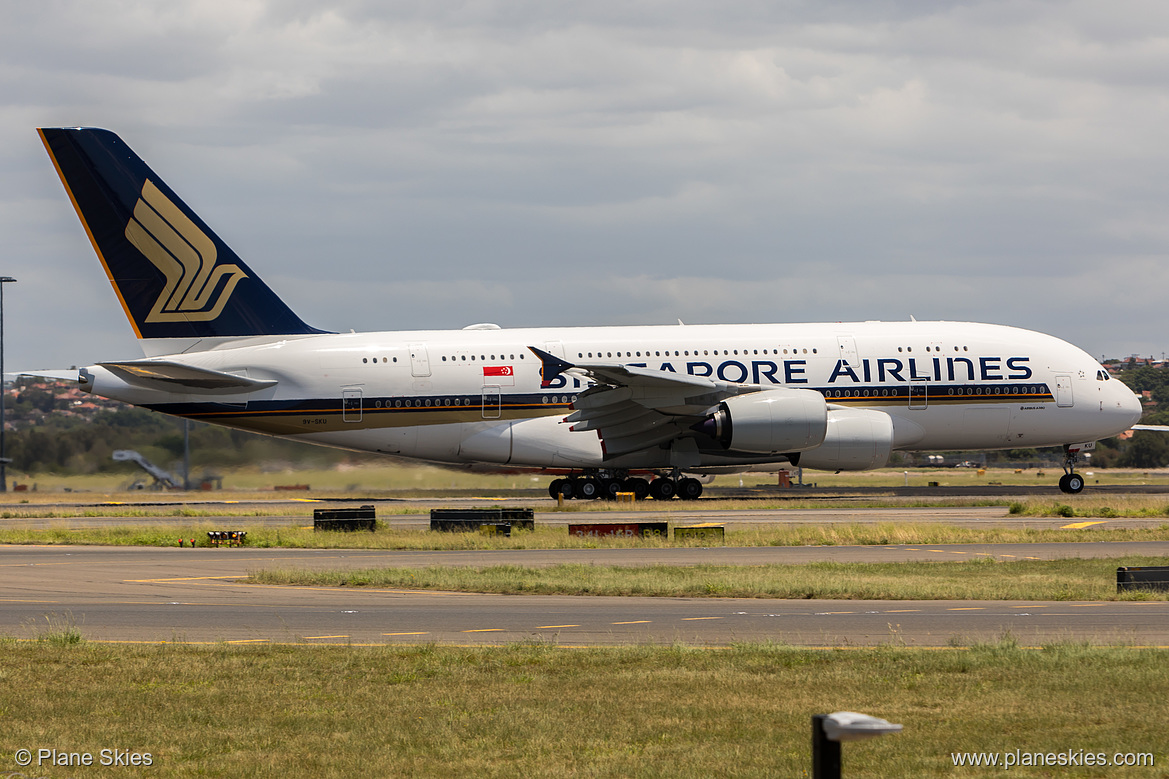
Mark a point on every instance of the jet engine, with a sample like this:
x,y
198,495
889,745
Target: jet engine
x,y
857,439
772,422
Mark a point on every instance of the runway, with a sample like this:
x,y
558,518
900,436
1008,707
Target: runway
x,y
152,594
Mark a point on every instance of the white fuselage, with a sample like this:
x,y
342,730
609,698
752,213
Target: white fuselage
x,y
474,397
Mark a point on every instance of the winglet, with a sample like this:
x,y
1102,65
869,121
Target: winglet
x,y
551,366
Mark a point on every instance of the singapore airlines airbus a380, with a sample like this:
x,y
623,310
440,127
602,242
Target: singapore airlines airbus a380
x,y
603,408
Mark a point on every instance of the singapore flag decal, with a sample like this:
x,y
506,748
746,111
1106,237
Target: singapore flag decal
x,y
499,374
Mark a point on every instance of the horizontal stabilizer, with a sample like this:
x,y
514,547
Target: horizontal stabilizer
x,y
147,373
1154,428
69,374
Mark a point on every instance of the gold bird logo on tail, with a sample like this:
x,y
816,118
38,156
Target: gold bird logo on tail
x,y
185,255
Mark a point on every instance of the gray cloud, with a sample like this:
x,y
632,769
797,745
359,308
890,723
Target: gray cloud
x,y
420,165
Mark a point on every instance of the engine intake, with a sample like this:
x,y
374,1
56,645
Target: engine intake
x,y
772,422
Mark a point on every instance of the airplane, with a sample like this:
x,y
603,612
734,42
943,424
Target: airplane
x,y
642,409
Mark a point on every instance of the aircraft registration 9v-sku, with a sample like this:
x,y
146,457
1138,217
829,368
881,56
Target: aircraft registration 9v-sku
x,y
605,409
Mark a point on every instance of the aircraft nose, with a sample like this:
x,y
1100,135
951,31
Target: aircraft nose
x,y
1128,405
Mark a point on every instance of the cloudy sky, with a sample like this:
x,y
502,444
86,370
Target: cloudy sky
x,y
405,165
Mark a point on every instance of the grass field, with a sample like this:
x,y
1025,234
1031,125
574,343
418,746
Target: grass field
x,y
979,579
535,710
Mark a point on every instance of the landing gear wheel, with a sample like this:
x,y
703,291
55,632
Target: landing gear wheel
x,y
588,489
610,488
662,489
689,489
639,488
1071,483
554,488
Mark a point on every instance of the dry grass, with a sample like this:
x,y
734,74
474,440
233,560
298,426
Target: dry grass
x,y
534,710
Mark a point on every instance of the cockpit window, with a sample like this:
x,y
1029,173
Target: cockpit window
x,y
1102,376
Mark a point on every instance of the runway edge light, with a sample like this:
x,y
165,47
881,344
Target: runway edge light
x,y
828,730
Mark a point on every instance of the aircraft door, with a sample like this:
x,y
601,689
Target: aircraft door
x,y
351,404
419,360
1063,392
846,350
492,402
919,392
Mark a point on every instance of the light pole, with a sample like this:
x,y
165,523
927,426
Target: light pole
x,y
3,452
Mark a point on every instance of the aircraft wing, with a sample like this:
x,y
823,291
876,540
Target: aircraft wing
x,y
1155,428
178,376
634,408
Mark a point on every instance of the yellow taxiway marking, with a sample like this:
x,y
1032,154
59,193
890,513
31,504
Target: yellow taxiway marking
x,y
184,579
306,500
421,633
953,552
1032,558
969,608
1080,525
250,641
485,630
308,637
1006,555
1028,607
900,611
691,619
634,622
546,627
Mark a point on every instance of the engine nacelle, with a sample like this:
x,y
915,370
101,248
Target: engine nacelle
x,y
777,421
858,439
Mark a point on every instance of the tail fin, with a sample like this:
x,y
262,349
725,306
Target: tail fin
x,y
174,276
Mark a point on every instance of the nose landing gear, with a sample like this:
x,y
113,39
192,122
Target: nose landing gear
x,y
1071,482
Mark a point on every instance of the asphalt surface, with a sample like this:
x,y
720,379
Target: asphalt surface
x,y
152,594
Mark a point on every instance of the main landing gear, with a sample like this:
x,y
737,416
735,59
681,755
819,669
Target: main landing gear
x,y
605,486
1071,482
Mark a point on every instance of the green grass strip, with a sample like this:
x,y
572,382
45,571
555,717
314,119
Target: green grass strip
x,y
982,579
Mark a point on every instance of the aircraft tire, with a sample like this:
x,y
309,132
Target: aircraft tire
x,y
610,488
554,488
662,489
1072,483
588,489
689,489
639,488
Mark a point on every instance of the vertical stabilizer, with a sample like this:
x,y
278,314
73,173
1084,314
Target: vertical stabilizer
x,y
173,275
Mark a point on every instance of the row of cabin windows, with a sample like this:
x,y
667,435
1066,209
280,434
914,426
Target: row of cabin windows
x,y
960,391
456,402
483,357
463,357
695,353
655,353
